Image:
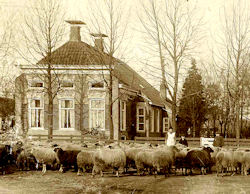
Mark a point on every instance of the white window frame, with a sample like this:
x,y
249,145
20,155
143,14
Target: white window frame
x,y
152,120
93,88
137,119
90,111
166,121
70,88
60,115
36,81
36,108
123,112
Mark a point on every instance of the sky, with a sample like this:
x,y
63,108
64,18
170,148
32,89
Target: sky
x,y
209,10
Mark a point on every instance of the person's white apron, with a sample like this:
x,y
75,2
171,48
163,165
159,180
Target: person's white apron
x,y
171,139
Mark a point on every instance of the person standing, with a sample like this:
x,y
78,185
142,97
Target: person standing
x,y
183,140
170,137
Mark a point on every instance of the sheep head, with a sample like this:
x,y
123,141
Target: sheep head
x,y
58,150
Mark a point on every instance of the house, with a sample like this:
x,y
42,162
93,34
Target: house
x,y
82,98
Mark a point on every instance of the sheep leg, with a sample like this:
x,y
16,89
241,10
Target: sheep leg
x,y
101,173
165,172
190,171
44,168
117,173
75,168
233,170
61,168
155,173
79,171
246,169
37,165
242,169
222,171
168,171
93,172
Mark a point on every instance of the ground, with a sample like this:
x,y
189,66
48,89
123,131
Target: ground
x,y
69,182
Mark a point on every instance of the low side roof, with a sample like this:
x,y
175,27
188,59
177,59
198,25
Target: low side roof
x,y
130,77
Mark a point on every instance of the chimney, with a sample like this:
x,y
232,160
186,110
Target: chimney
x,y
75,26
99,41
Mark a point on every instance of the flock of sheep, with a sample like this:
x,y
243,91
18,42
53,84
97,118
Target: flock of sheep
x,y
145,158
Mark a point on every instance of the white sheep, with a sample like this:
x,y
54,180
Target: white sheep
x,y
44,156
245,163
106,158
85,159
224,159
144,159
238,160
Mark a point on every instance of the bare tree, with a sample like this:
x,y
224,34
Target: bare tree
x,y
109,22
41,33
233,54
173,28
6,53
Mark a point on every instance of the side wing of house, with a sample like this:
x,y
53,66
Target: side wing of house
x,y
142,111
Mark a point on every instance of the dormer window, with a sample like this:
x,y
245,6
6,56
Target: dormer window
x,y
36,84
67,84
97,85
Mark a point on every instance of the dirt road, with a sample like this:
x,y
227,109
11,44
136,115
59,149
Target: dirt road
x,y
69,182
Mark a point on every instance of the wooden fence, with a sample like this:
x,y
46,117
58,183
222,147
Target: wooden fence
x,y
192,142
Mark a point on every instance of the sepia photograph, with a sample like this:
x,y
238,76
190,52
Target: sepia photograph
x,y
124,96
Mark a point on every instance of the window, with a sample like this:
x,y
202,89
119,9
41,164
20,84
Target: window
x,y
123,115
35,113
140,119
66,111
36,84
152,120
97,113
157,120
165,124
97,85
67,84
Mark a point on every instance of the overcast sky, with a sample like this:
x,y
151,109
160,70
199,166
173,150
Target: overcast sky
x,y
209,10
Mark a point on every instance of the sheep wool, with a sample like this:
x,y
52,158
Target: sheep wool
x,y
85,159
44,156
245,163
109,158
224,159
144,159
163,160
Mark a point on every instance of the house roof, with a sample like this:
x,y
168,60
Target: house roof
x,y
74,53
80,53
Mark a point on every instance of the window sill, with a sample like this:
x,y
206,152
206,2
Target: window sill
x,y
140,131
67,129
37,128
36,88
67,88
97,89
